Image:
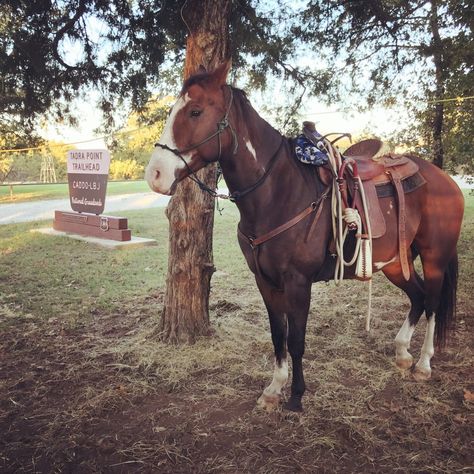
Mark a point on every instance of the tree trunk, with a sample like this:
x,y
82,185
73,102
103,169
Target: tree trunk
x,y
437,130
191,211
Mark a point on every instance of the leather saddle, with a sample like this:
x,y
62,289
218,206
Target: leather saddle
x,y
384,176
399,173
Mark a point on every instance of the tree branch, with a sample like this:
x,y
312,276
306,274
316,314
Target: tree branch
x,y
82,8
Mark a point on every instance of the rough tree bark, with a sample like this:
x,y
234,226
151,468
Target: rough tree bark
x,y
438,119
191,211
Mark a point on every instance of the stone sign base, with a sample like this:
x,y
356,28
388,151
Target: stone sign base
x,y
135,242
91,225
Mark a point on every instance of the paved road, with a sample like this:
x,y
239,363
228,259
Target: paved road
x,y
42,210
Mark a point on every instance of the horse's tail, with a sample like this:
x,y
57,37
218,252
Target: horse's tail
x,y
445,315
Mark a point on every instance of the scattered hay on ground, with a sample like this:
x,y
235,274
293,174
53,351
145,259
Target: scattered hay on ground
x,y
87,387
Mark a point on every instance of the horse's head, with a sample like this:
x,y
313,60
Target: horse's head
x,y
196,132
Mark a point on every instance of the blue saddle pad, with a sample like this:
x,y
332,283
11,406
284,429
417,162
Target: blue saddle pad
x,y
308,153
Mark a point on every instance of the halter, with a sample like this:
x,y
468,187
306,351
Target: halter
x,y
221,126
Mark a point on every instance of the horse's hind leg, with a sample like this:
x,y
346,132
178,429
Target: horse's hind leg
x,y
440,283
415,292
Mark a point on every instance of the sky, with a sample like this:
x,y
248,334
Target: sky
x,y
328,118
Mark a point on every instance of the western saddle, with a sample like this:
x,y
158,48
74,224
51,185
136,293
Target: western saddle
x,y
384,176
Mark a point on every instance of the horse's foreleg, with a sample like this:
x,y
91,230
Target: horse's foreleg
x,y
271,396
299,296
423,368
414,290
296,343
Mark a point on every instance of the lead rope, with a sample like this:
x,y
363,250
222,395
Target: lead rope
x,y
342,220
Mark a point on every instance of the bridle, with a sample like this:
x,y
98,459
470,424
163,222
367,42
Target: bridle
x,y
223,124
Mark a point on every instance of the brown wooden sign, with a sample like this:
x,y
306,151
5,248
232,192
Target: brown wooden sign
x,y
87,172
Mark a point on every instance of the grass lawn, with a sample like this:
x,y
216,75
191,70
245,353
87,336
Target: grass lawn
x,y
86,386
35,192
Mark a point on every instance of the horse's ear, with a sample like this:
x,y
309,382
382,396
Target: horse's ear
x,y
219,75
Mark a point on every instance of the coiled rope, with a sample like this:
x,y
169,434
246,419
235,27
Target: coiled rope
x,y
345,219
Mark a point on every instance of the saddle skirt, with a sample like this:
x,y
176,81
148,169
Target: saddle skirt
x,y
389,175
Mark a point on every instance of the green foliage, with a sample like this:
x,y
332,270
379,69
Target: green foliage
x,y
409,51
131,147
125,169
25,166
376,51
51,52
6,162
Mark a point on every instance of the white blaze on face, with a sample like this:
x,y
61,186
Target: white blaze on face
x,y
161,170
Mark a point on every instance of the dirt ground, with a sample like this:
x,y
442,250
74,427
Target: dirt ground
x,y
86,386
107,397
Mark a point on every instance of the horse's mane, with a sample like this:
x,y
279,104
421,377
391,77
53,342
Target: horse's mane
x,y
201,78
198,78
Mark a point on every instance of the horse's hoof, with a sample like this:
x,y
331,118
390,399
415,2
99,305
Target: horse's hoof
x,y
294,404
404,364
269,403
421,375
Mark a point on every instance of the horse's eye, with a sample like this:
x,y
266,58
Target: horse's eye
x,y
196,113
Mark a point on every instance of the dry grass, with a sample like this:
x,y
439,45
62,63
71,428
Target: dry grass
x,y
105,396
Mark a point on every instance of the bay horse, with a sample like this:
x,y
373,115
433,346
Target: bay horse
x,y
212,121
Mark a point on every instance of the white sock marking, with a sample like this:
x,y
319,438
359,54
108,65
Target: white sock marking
x,y
427,350
280,377
403,339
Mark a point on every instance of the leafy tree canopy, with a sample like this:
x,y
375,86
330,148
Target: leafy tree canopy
x,y
53,50
415,52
